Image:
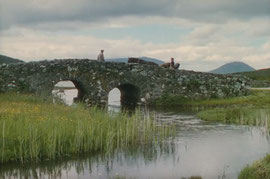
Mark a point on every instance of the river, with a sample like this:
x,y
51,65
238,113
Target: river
x,y
199,149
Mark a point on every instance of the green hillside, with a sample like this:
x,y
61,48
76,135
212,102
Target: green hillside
x,y
5,59
263,74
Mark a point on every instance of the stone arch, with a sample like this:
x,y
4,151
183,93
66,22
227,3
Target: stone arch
x,y
130,94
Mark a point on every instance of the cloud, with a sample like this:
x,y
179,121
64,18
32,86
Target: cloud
x,y
36,45
32,12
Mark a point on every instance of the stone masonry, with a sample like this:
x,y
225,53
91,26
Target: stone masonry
x,y
138,83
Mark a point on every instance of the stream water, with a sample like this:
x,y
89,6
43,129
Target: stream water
x,y
199,149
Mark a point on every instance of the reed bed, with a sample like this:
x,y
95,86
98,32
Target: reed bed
x,y
258,170
256,98
243,116
33,129
250,110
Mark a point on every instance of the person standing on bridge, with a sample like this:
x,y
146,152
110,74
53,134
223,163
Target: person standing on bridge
x,y
101,56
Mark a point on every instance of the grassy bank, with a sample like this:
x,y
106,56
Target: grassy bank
x,y
33,129
258,170
263,74
249,110
256,98
237,115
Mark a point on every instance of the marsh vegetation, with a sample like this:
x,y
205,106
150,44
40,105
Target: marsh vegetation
x,y
33,129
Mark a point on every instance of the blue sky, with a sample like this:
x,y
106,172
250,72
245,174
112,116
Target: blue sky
x,y
199,34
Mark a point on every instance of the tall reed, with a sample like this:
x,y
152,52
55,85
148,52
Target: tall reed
x,y
236,115
35,130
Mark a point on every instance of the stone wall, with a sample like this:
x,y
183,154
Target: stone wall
x,y
138,83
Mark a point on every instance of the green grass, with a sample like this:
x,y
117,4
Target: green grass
x,y
33,129
258,170
250,110
261,77
237,115
263,74
256,98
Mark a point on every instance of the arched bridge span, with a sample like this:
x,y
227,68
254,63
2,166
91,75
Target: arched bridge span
x,y
138,83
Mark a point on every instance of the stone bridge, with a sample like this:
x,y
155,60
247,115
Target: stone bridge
x,y
138,83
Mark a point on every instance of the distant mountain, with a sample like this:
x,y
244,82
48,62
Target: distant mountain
x,y
232,67
157,61
5,59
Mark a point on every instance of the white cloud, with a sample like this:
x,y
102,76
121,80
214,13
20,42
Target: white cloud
x,y
35,45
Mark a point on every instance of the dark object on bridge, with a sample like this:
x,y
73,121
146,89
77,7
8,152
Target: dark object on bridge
x,y
137,60
172,65
168,65
176,66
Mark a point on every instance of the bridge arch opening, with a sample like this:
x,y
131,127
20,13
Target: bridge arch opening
x,y
114,97
68,91
124,95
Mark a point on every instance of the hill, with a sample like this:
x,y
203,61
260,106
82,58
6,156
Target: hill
x,y
263,74
233,67
157,61
5,59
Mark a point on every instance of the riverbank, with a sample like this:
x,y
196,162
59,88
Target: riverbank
x,y
258,170
256,98
248,110
34,130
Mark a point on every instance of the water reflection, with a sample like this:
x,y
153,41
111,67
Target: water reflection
x,y
88,165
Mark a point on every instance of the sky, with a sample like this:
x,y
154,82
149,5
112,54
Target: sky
x,y
200,34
